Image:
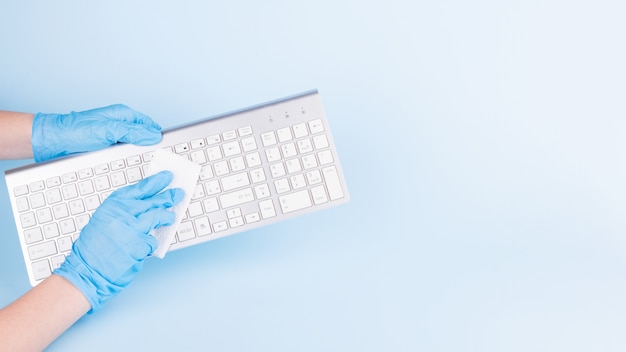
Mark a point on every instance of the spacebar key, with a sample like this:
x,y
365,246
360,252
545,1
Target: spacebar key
x,y
235,198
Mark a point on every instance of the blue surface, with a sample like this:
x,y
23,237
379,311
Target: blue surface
x,y
483,144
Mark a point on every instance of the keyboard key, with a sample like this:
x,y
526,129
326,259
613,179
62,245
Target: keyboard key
x,y
231,148
70,177
50,230
101,169
267,208
22,204
85,187
185,231
300,130
81,221
304,146
210,205
85,173
44,215
198,143
202,226
332,182
33,235
37,200
237,164
53,182
195,209
319,195
235,181
57,260
221,168
268,138
273,154
60,211
236,198
77,206
257,175
289,150
28,219
181,148
282,186
252,217
248,144
253,159
295,201
220,226
235,222
325,157
20,190
206,173
92,202
67,226
293,166
316,126
118,179
212,187
245,131
37,186
213,139
320,142
214,153
53,196
277,170
41,250
133,160
133,174
198,157
262,191
314,177
284,134
41,269
65,244
117,165
229,135
309,161
297,181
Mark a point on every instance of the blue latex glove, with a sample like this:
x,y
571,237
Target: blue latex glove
x,y
112,246
55,135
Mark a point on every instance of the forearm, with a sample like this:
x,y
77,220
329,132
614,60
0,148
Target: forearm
x,y
36,319
15,135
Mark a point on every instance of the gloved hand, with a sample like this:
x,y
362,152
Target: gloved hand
x,y
112,246
55,135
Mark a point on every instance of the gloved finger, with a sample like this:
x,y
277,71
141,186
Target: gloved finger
x,y
145,188
155,218
166,199
129,132
124,113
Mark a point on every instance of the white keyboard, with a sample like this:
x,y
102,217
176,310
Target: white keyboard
x,y
259,165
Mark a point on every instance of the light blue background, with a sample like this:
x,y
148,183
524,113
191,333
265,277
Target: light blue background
x,y
482,142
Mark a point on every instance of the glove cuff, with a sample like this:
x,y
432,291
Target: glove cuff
x,y
42,136
78,274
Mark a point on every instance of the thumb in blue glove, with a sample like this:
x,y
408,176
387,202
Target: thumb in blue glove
x,y
55,135
112,247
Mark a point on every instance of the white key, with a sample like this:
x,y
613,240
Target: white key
x,y
102,183
70,177
118,179
314,177
289,150
297,181
277,170
273,154
248,144
22,204
245,131
214,153
320,142
198,157
300,130
319,195
236,222
213,139
293,165
56,261
101,169
235,181
85,173
295,201
133,160
64,243
257,175
50,230
210,205
316,126
267,208
37,200
229,135
33,235
309,162
67,226
206,173
233,213
284,134
231,148
92,202
221,168
304,146
212,187
85,187
20,190
41,269
117,165
28,219
60,211
77,206
268,138
282,186
202,226
332,182
185,231
133,174
198,192
37,186
53,181
198,143
253,159
262,191
148,156
220,226
43,215
237,164
195,209
252,217
69,191
325,157
236,198
42,250
181,148
81,221
53,195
